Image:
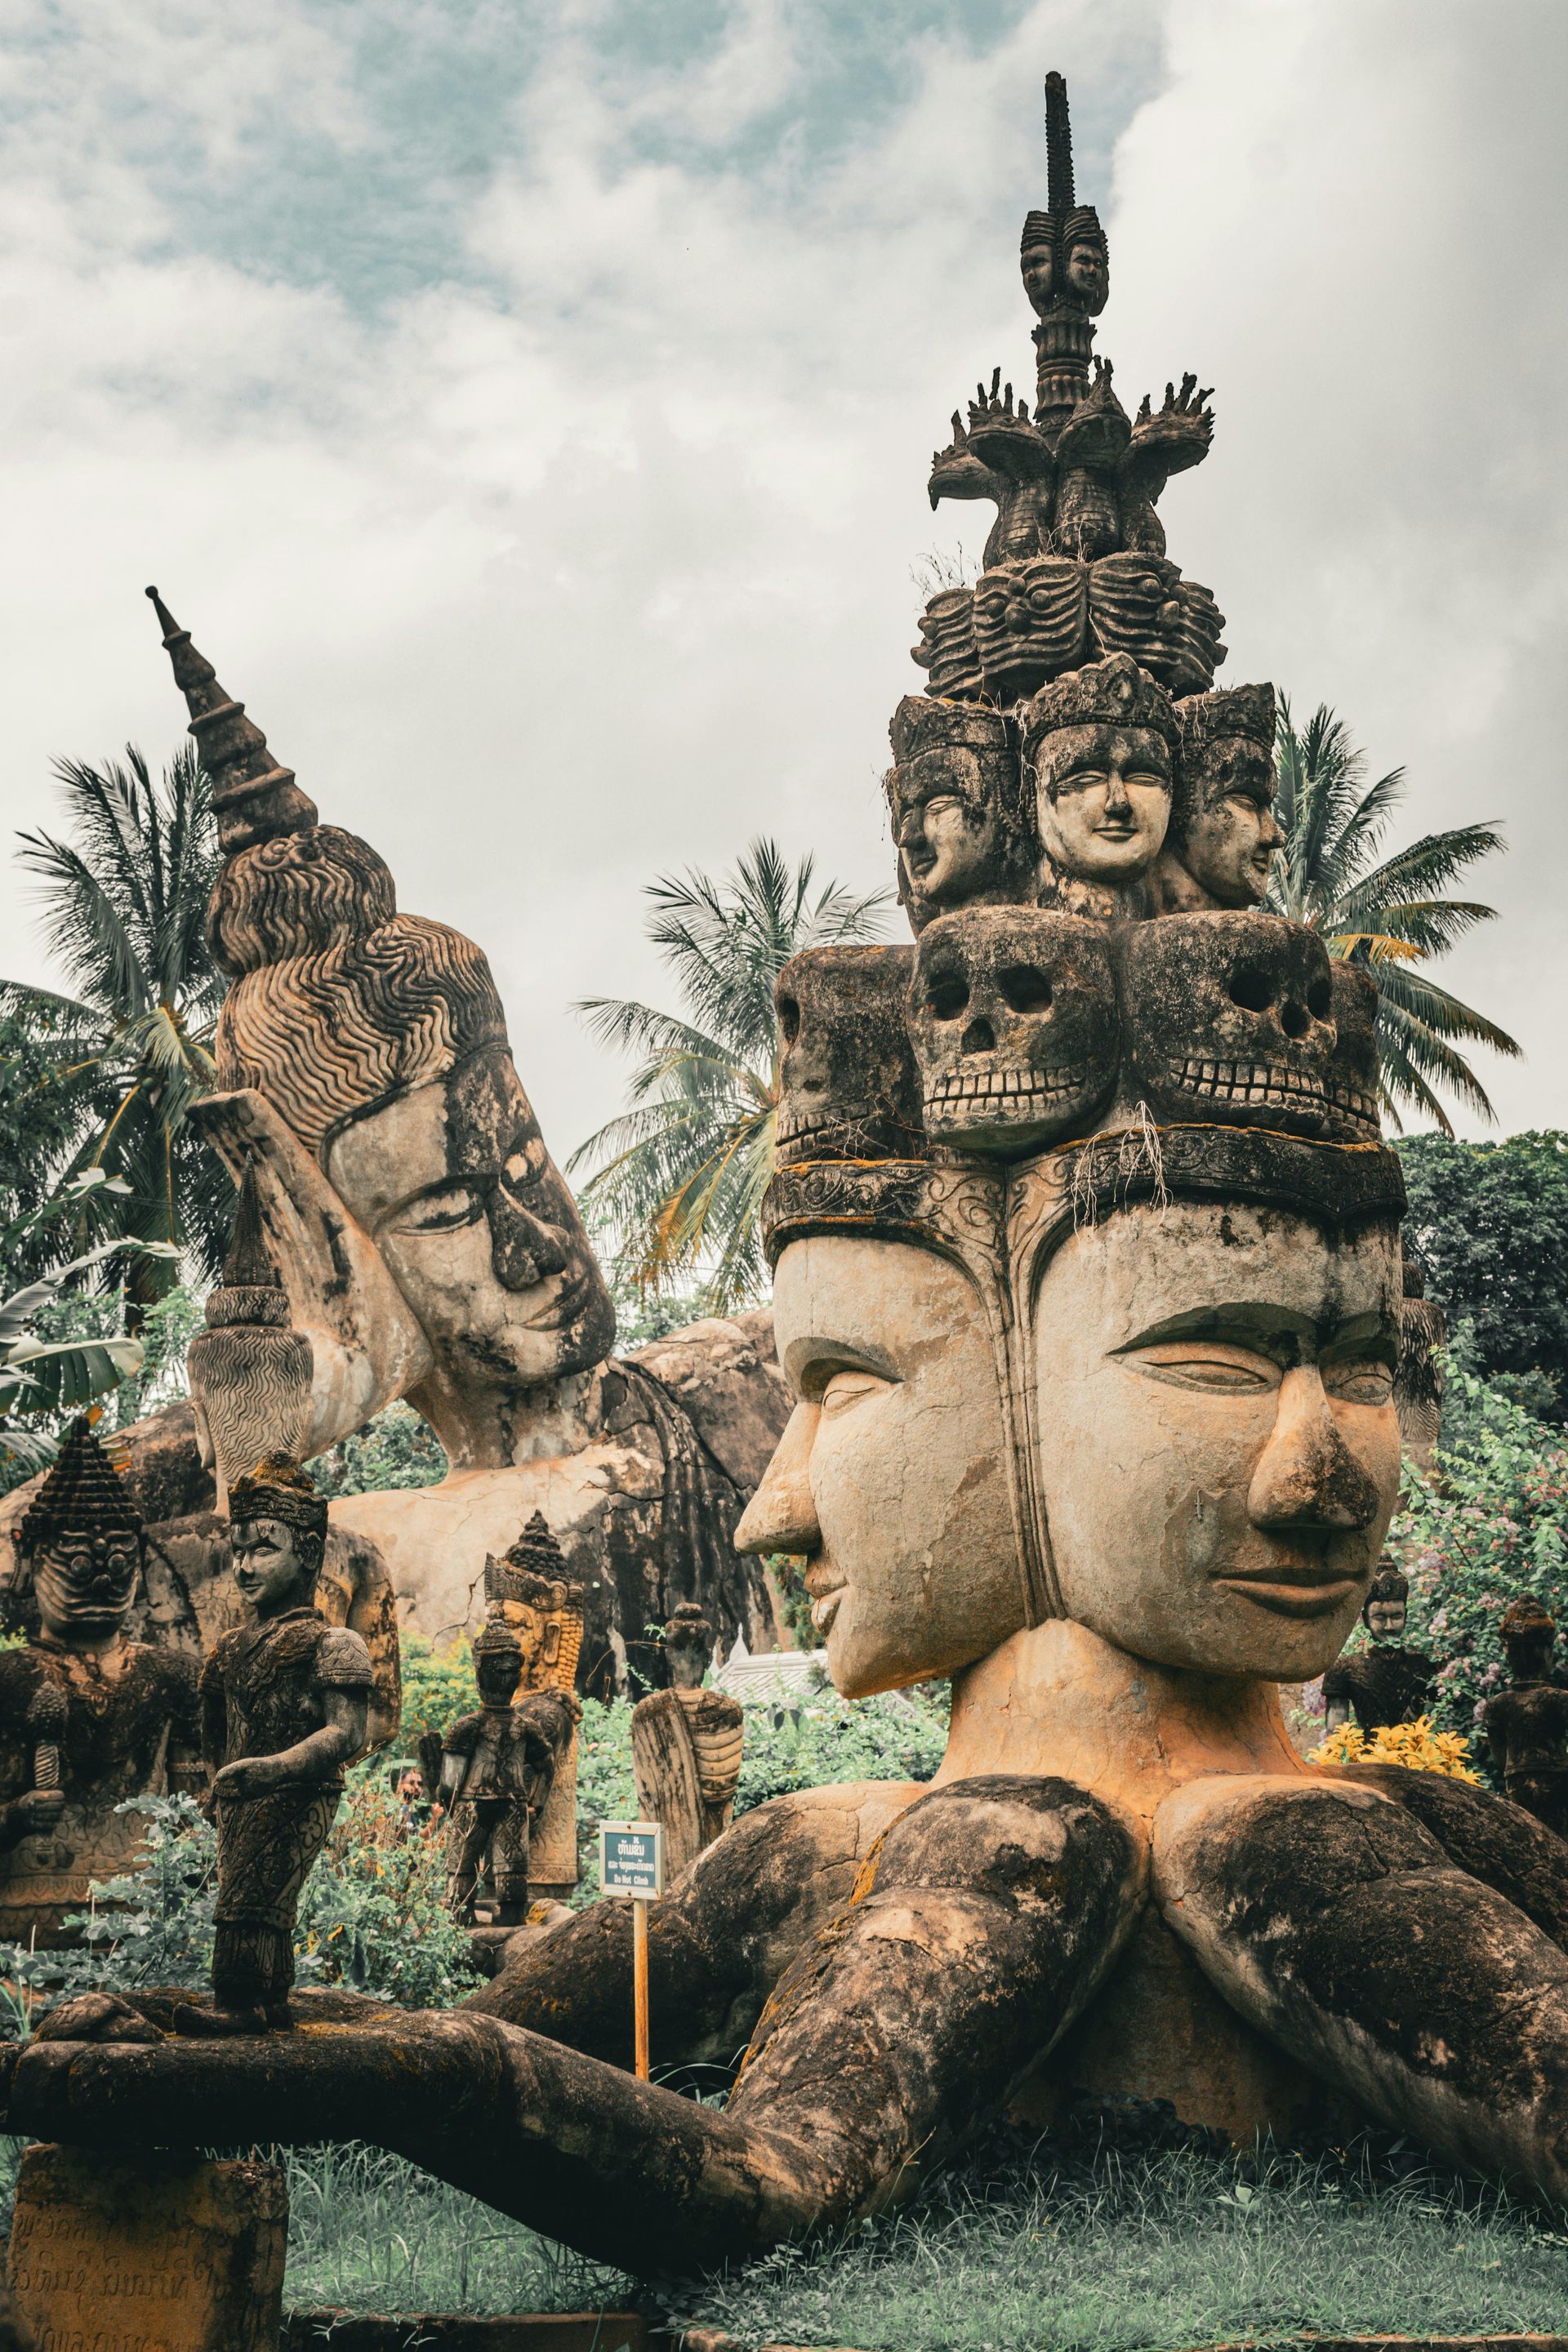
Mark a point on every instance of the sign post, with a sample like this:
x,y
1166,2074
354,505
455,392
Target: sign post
x,y
631,1861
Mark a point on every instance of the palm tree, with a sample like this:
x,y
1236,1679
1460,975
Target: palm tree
x,y
1392,915
124,896
681,1173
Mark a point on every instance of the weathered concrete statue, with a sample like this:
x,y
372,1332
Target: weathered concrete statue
x,y
686,1747
1526,1723
1386,1682
88,1718
285,1707
496,1768
1093,1414
429,1247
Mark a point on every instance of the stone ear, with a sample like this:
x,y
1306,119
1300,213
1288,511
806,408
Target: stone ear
x,y
367,1347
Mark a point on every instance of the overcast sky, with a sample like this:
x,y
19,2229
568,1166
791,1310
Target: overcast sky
x,y
528,404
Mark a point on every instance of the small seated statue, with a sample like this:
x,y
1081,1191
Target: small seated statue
x,y
86,1718
498,1765
1386,1684
686,1746
285,1707
1525,1725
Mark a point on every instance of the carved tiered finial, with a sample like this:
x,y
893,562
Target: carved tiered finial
x,y
1058,144
82,1495
253,798
250,1372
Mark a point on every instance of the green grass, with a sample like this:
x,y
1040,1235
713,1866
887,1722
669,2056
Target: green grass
x,y
1156,2252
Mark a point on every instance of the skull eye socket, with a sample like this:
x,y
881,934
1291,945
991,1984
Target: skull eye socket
x,y
789,1020
1023,988
947,994
1320,997
1294,1019
1250,988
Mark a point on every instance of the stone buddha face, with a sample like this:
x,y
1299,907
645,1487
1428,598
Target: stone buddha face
x,y
84,1581
1037,262
1219,1454
1385,1618
477,1228
891,1476
1088,275
1104,799
1231,834
274,1565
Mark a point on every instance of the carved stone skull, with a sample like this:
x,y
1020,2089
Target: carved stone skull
x,y
1013,1012
1230,1017
1353,1083
848,1088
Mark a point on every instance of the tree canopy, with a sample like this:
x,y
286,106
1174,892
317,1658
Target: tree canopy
x,y
1491,1221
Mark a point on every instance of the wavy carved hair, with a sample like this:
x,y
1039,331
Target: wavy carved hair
x,y
338,1002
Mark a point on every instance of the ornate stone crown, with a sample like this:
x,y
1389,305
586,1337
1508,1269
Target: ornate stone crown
x,y
1114,693
279,1488
82,1495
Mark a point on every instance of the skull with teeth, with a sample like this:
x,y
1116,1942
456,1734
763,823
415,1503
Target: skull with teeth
x,y
1013,1012
1230,1018
1353,1081
847,1076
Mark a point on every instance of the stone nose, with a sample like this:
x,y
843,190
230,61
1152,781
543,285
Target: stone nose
x,y
781,1515
1306,1477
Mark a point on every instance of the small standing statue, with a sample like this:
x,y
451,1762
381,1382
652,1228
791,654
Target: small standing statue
x,y
1525,1725
86,1718
498,1767
284,1706
529,1590
686,1746
1385,1684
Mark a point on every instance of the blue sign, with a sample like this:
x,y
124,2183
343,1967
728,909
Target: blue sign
x,y
631,1859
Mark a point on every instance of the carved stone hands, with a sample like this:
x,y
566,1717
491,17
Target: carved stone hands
x,y
33,1815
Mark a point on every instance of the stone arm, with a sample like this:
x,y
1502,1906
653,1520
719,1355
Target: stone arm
x,y
981,1927
1502,1844
456,1753
318,1757
187,1764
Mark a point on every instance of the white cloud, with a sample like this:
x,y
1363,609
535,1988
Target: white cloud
x,y
590,558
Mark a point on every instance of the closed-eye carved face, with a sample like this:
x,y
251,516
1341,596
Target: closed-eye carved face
x,y
1013,1012
1230,1017
1220,1451
1029,621
953,812
1038,264
479,1233
892,1476
847,1076
1103,800
1230,833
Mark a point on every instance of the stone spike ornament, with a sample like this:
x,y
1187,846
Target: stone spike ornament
x,y
254,799
1094,1377
249,1371
1058,144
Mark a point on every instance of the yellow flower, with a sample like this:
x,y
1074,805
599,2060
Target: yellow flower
x,y
1417,1746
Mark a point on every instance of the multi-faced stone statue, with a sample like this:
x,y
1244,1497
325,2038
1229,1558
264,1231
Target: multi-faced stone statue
x,y
687,1744
1012,1013
88,1718
1224,832
429,1245
847,1089
1100,746
1525,1725
284,1709
1386,1682
965,833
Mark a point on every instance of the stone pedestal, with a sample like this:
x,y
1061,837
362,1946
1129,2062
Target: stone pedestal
x,y
159,2253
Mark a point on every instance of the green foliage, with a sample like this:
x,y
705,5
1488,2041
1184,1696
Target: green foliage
x,y
679,1176
1140,2252
125,896
37,1120
438,1685
1491,1221
397,1448
1492,1524
1392,915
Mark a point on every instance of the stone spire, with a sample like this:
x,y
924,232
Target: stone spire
x,y
83,1495
253,798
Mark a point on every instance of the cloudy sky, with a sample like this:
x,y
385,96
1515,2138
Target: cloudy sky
x,y
527,403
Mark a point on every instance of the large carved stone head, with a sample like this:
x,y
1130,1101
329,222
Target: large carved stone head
x,y
378,1040
1224,832
956,799
846,1073
1012,1012
78,1548
1099,746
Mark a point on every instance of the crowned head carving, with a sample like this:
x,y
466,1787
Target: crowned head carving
x,y
1030,619
379,1040
1230,1017
956,797
688,1646
1099,745
846,1074
1224,832
249,1370
1062,254
1013,1011
78,1548
278,1535
529,1594
498,1662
